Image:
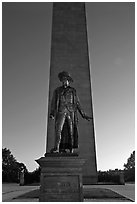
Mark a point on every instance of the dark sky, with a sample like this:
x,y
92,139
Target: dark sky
x,y
26,29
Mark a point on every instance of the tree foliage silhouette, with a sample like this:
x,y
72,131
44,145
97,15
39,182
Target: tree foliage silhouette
x,y
10,167
130,162
129,170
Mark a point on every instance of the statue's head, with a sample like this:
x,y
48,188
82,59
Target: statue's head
x,y
65,78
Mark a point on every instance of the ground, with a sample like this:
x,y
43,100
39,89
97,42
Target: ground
x,y
95,193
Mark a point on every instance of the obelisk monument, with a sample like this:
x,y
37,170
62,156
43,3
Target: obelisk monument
x,y
69,52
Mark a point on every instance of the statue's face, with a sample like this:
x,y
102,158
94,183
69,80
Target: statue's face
x,y
65,82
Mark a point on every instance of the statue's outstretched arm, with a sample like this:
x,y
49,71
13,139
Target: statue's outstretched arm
x,y
81,111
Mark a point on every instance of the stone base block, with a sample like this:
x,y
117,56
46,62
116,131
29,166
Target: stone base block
x,y
61,178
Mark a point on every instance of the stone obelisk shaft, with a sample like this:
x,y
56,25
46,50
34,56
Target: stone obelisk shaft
x,y
69,52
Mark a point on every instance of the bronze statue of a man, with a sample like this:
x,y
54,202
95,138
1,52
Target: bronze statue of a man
x,y
64,107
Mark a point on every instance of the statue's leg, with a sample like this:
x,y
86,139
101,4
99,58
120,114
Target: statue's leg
x,y
70,122
58,129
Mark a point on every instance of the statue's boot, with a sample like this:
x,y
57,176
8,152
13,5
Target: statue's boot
x,y
54,150
62,151
71,150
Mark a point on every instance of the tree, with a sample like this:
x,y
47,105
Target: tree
x,y
130,162
33,177
111,176
7,158
129,170
10,167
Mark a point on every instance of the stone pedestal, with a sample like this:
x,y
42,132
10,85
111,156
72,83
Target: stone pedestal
x,y
61,178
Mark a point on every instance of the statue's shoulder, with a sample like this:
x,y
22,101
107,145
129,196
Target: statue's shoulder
x,y
58,89
73,89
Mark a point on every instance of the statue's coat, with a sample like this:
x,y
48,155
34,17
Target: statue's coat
x,y
72,105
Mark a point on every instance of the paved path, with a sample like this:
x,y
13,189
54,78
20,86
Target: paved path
x,y
12,191
127,190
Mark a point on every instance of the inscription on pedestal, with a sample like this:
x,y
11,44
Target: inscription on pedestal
x,y
61,187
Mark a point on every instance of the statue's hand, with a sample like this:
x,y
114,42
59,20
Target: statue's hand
x,y
52,117
87,117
